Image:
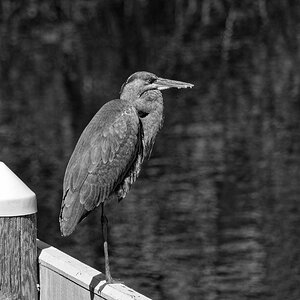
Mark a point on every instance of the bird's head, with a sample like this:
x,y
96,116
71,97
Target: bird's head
x,y
146,85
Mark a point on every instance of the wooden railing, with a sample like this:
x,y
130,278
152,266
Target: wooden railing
x,y
31,269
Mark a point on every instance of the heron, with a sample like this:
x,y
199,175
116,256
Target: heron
x,y
108,156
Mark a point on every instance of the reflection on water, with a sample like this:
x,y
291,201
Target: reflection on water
x,y
214,215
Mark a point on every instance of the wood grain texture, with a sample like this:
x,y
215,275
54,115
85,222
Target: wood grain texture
x,y
5,296
18,256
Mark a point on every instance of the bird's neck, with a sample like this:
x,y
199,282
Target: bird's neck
x,y
152,123
129,93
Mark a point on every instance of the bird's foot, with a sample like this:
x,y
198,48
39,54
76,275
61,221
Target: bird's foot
x,y
109,280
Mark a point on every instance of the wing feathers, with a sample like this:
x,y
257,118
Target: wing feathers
x,y
104,154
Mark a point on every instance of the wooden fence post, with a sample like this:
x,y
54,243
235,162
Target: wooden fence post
x,y
18,250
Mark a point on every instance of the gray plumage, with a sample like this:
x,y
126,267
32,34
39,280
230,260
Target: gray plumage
x,y
109,153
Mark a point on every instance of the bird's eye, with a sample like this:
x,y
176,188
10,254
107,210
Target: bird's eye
x,y
151,80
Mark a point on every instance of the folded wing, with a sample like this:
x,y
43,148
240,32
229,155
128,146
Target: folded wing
x,y
106,160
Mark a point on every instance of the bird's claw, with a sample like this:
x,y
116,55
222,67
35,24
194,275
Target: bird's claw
x,y
107,282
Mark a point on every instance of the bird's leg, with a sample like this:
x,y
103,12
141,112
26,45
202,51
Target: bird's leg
x,y
104,223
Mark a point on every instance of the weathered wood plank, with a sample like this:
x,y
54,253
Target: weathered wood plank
x,y
64,277
29,257
5,296
18,276
55,286
18,253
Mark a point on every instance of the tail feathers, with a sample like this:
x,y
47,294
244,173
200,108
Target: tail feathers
x,y
72,212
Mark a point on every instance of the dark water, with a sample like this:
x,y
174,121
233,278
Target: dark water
x,y
215,212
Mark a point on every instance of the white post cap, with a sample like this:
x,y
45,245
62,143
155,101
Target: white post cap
x,y
16,198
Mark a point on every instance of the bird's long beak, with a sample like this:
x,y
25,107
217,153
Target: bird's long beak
x,y
163,84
